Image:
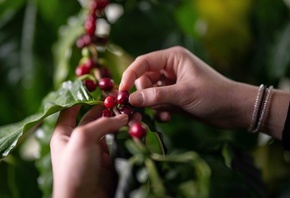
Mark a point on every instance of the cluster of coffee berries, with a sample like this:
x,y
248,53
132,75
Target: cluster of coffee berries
x,y
119,104
94,74
95,10
88,66
87,70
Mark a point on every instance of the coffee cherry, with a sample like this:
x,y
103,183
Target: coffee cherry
x,y
106,84
90,26
107,113
80,43
93,6
104,72
86,40
90,84
82,70
123,97
110,102
91,17
101,4
137,130
126,110
90,63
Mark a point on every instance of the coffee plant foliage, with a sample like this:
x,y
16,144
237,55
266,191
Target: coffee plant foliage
x,y
246,40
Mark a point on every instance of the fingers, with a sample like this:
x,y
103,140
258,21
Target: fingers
x,y
94,131
137,117
65,124
93,114
154,61
155,96
66,121
148,80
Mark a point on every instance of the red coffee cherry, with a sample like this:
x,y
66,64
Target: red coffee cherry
x,y
106,84
85,40
80,43
104,72
90,63
126,110
101,4
107,113
94,6
91,17
82,70
110,102
90,26
90,84
138,130
123,97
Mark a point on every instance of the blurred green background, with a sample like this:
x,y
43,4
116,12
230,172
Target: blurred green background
x,y
245,40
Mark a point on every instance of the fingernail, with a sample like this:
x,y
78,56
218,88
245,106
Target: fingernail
x,y
121,86
136,98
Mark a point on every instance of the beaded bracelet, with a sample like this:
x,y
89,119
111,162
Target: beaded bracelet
x,y
257,107
286,131
265,110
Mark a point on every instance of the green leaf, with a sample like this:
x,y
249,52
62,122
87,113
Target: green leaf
x,y
157,184
154,142
227,153
69,94
181,169
63,50
154,139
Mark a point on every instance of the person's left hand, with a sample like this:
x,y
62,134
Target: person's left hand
x,y
80,158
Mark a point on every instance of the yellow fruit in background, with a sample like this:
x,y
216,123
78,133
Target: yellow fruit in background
x,y
223,26
223,12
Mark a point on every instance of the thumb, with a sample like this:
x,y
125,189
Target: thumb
x,y
154,96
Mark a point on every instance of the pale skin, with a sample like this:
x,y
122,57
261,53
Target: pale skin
x,y
192,85
81,162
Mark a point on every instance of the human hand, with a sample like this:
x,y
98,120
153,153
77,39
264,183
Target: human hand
x,y
80,158
189,83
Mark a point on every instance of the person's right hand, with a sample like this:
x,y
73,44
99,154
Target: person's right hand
x,y
177,77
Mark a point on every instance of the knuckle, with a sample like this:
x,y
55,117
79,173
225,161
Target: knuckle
x,y
52,143
180,51
54,140
178,48
156,96
80,134
141,58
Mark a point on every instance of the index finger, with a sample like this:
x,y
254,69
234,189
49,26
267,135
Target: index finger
x,y
66,121
153,61
93,114
65,124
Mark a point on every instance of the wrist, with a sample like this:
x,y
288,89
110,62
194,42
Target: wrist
x,y
275,119
243,104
